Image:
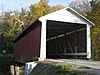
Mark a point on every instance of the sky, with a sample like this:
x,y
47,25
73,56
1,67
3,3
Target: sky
x,y
18,4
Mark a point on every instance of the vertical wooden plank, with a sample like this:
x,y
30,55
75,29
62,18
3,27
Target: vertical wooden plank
x,y
17,70
61,45
58,45
69,43
88,42
12,69
43,40
76,43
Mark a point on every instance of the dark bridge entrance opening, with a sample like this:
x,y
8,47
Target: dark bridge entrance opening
x,y
65,40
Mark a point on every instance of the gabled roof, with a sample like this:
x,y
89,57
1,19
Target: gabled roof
x,y
73,11
28,30
60,13
65,13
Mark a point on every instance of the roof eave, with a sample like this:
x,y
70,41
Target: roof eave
x,y
72,10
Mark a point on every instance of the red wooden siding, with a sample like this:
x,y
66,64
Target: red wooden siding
x,y
28,47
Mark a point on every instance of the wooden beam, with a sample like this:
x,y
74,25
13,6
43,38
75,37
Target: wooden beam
x,y
56,48
75,31
58,45
61,45
67,33
69,43
76,43
61,27
72,54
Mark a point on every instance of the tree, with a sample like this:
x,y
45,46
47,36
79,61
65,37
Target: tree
x,y
15,22
94,16
39,9
82,6
91,10
57,7
46,1
95,4
14,25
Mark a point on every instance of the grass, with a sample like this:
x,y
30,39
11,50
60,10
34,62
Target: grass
x,y
60,70
22,70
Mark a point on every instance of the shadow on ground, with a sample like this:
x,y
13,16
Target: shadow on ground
x,y
62,69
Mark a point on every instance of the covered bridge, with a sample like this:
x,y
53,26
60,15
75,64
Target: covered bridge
x,y
61,34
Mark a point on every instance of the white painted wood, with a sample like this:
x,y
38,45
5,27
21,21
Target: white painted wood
x,y
43,40
12,69
64,15
88,42
17,70
29,66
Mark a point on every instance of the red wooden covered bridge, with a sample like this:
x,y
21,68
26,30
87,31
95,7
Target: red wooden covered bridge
x,y
61,34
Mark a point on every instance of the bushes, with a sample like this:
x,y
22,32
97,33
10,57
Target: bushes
x,y
95,43
94,16
96,54
5,62
55,69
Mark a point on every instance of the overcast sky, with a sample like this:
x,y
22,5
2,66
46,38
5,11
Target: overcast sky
x,y
18,4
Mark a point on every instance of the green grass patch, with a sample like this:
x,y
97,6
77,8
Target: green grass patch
x,y
64,70
22,68
56,69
